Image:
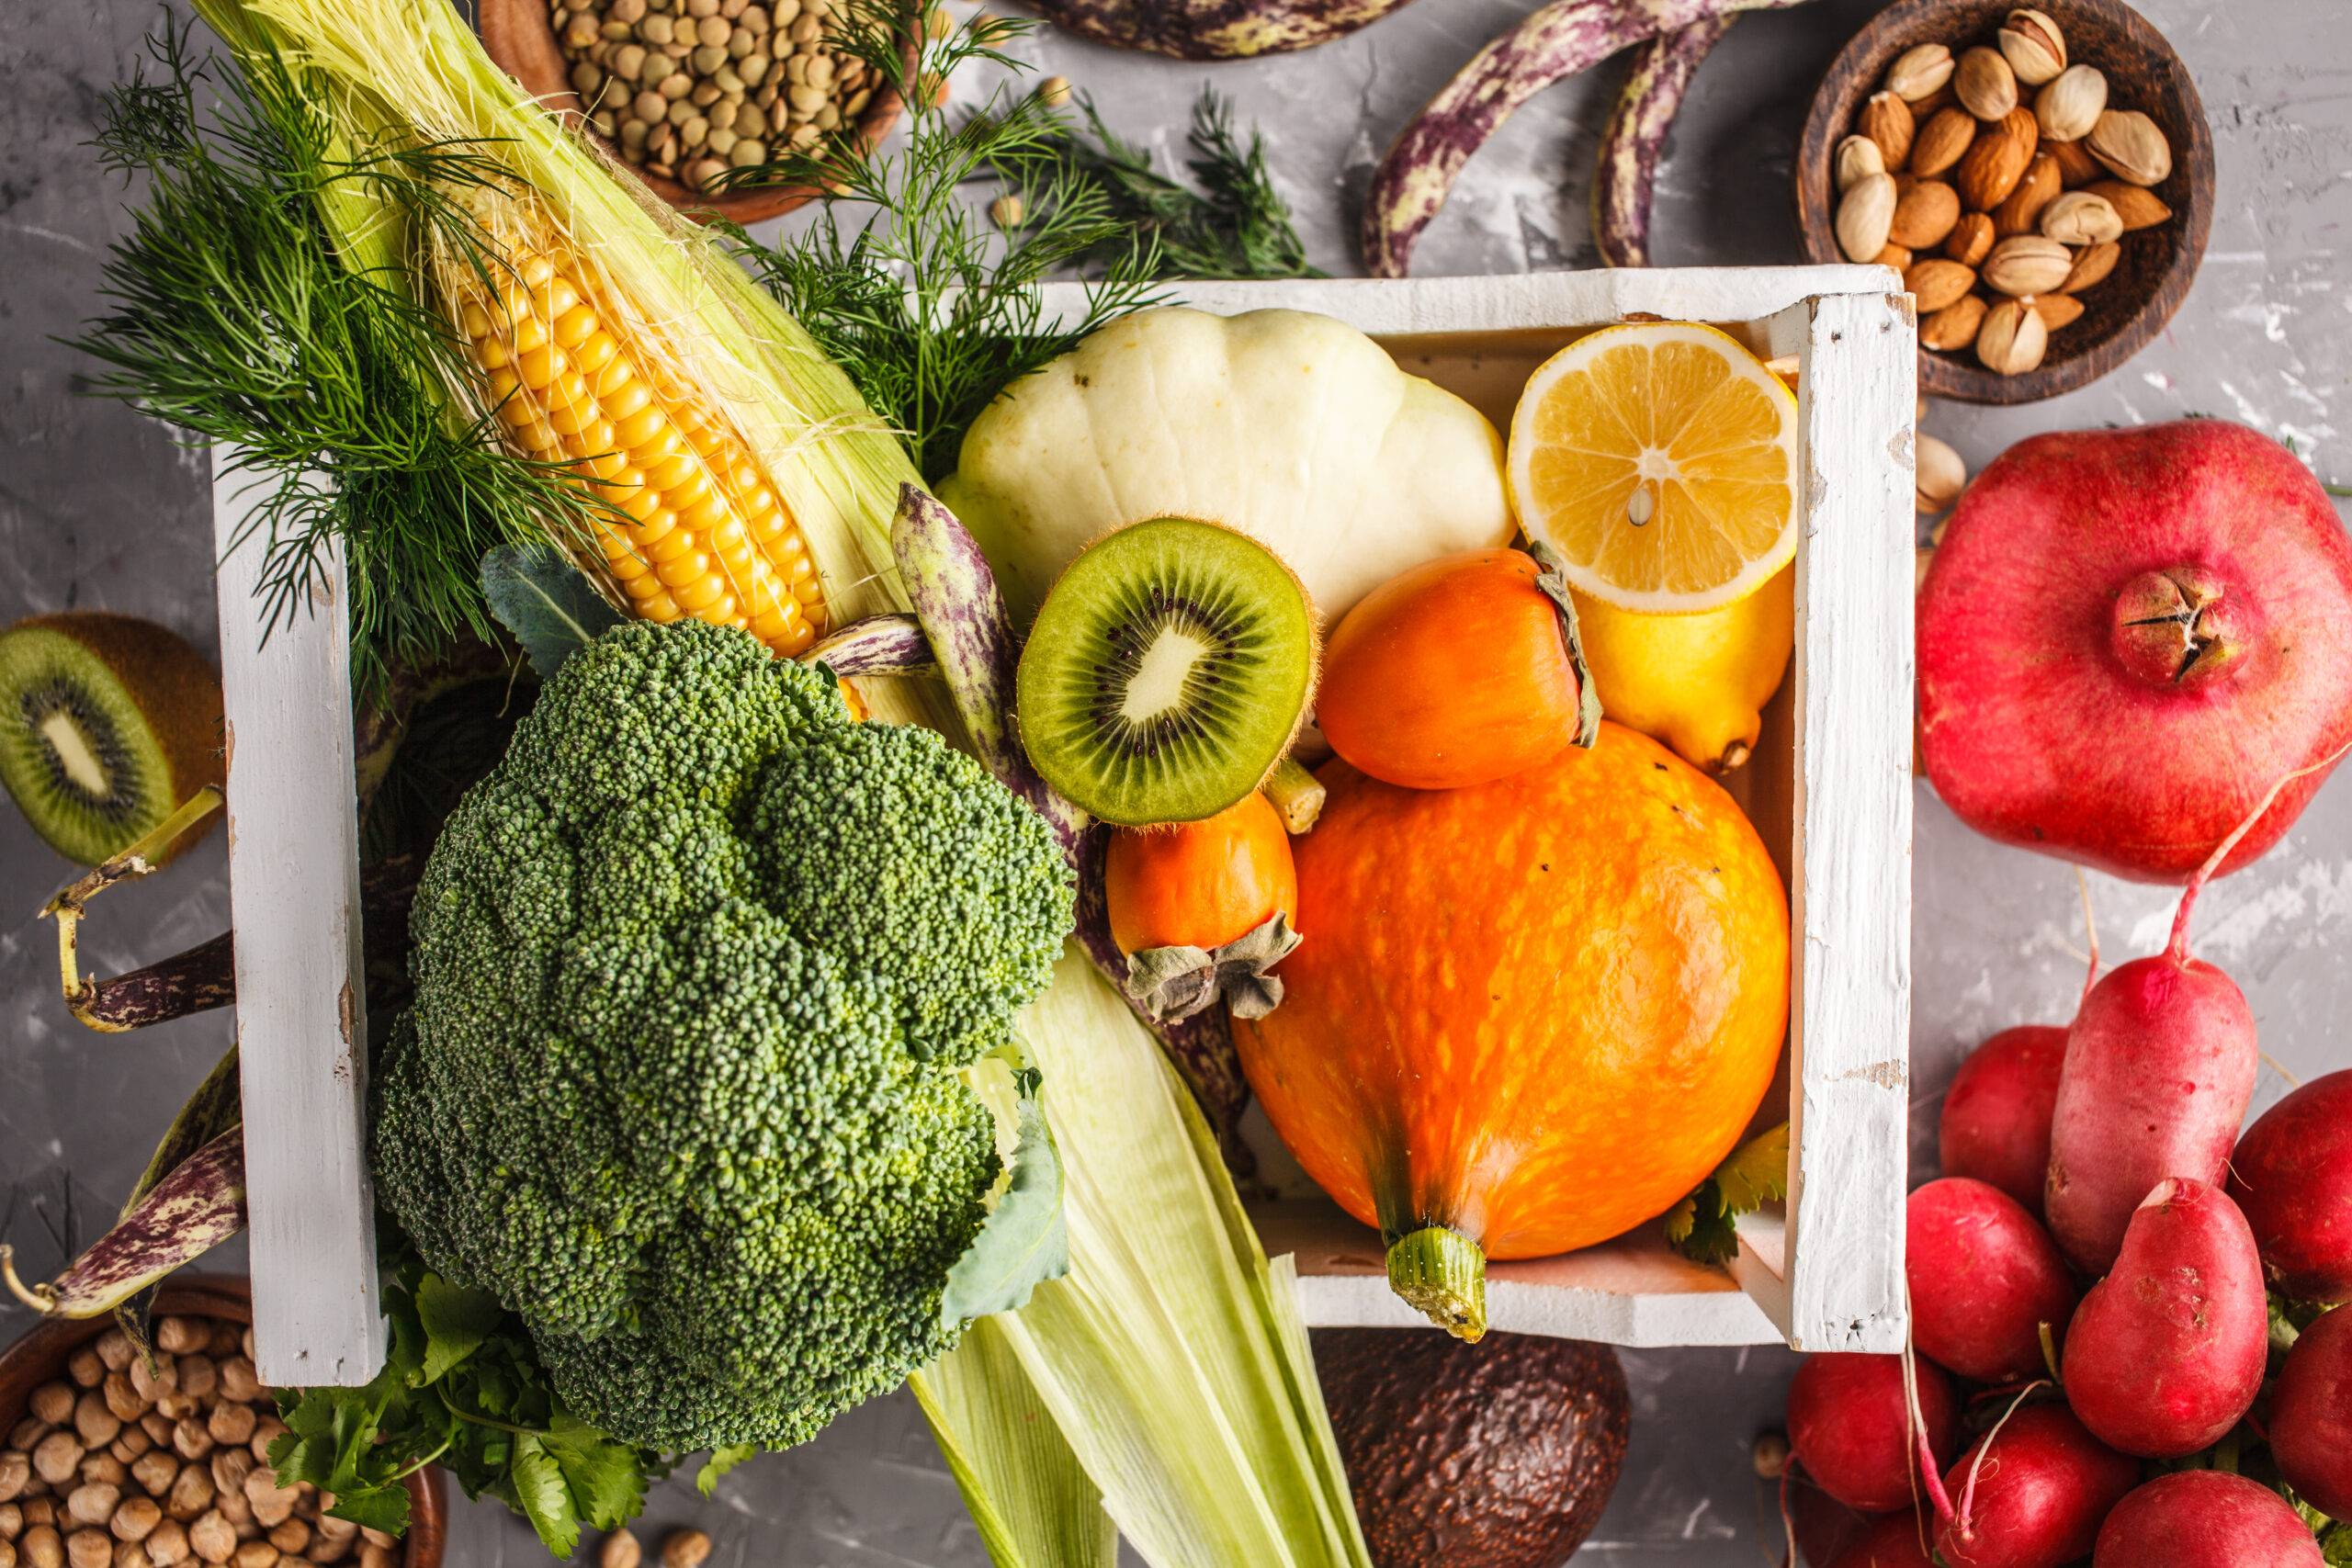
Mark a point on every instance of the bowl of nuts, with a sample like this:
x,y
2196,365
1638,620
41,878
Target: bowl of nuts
x,y
2042,178
682,91
114,1461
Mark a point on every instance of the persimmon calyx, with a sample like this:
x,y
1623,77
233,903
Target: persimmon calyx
x,y
1552,581
1172,984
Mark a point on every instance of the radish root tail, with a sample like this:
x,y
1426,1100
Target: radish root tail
x,y
2178,948
1967,1529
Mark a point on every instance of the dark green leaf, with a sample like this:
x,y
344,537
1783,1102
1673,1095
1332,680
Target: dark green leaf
x,y
1703,1227
456,1319
540,595
607,1482
1025,1238
721,1461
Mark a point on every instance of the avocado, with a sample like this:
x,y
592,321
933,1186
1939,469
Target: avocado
x,y
1499,1454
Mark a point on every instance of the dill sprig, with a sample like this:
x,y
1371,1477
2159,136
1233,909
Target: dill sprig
x,y
1234,225
930,305
233,317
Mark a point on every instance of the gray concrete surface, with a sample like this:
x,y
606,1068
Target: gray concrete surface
x,y
98,507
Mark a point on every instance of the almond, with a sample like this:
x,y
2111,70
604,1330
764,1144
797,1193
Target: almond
x,y
2056,310
2132,147
1955,326
2012,339
2038,189
1919,70
1970,239
1896,256
2033,45
1987,87
1923,213
1941,141
2092,264
1865,214
2027,264
1938,282
1886,120
2136,207
2076,168
2069,106
1858,157
2083,217
1934,103
1996,161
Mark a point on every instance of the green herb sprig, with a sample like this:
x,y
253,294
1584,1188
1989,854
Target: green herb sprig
x,y
1704,1227
233,317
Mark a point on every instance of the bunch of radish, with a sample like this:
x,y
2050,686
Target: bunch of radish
x,y
2106,1363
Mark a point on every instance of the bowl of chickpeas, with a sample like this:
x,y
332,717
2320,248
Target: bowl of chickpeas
x,y
683,92
114,1461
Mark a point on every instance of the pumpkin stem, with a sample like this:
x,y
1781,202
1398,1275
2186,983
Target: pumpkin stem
x,y
1442,1274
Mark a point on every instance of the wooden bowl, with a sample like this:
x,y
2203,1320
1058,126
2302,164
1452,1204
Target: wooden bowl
x,y
520,36
2131,306
40,1357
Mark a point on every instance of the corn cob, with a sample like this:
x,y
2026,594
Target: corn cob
x,y
696,529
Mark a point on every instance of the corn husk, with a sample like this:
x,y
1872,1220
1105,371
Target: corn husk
x,y
1033,1503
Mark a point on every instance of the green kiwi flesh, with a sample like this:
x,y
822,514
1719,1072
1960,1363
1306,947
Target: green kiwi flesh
x,y
106,723
1167,673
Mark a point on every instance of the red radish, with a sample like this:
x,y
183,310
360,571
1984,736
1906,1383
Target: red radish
x,y
1898,1541
2044,1488
1820,1526
2311,1414
2205,1519
2167,1352
2293,1175
1849,1426
1983,1278
2126,636
1996,1123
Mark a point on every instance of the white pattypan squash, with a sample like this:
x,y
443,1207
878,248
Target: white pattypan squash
x,y
1292,427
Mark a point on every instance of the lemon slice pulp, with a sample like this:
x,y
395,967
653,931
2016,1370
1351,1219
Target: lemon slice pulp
x,y
1659,460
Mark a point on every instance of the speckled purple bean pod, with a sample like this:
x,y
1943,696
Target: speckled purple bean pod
x,y
200,1205
1554,41
1635,138
1213,29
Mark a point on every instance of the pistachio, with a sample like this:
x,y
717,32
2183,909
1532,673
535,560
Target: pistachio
x,y
1925,211
1919,70
1886,120
1938,475
2132,147
1938,282
1865,217
1970,239
2136,207
2026,264
1940,141
2012,339
2057,311
2068,105
1955,326
2033,45
2083,218
1858,158
2091,266
1985,84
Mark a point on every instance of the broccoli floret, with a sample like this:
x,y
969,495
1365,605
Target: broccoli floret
x,y
697,971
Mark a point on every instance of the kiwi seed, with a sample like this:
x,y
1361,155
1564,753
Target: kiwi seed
x,y
106,723
1167,673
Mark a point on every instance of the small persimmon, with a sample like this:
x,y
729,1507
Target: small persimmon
x,y
1204,908
1458,673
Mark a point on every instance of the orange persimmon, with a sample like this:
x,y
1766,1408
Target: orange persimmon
x,y
1534,1013
1460,671
1200,883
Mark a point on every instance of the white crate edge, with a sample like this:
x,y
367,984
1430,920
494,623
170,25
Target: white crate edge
x,y
1826,1271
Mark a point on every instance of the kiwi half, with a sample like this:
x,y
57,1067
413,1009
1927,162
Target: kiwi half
x,y
1167,673
106,723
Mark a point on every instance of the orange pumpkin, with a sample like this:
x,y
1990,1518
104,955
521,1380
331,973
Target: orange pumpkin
x,y
1461,671
1534,1013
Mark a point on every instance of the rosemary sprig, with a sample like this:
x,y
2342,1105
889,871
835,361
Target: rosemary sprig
x,y
233,317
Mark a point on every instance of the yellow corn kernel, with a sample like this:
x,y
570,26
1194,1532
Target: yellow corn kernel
x,y
700,531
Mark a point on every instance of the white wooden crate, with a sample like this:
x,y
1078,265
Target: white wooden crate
x,y
1829,788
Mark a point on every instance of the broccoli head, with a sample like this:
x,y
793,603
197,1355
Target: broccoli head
x,y
699,970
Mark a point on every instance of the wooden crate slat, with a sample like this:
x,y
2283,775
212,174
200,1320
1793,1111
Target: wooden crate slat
x,y
301,997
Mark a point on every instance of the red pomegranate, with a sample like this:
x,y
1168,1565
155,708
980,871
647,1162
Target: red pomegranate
x,y
2127,637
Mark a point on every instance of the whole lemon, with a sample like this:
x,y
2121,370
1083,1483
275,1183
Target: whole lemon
x,y
1696,683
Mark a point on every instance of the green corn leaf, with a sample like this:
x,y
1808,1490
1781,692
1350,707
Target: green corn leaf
x,y
1033,1503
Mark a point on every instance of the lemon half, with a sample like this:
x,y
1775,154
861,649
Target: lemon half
x,y
1659,460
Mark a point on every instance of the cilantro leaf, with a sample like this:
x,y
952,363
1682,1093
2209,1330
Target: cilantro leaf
x,y
1703,1227
542,1494
721,1461
456,1319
